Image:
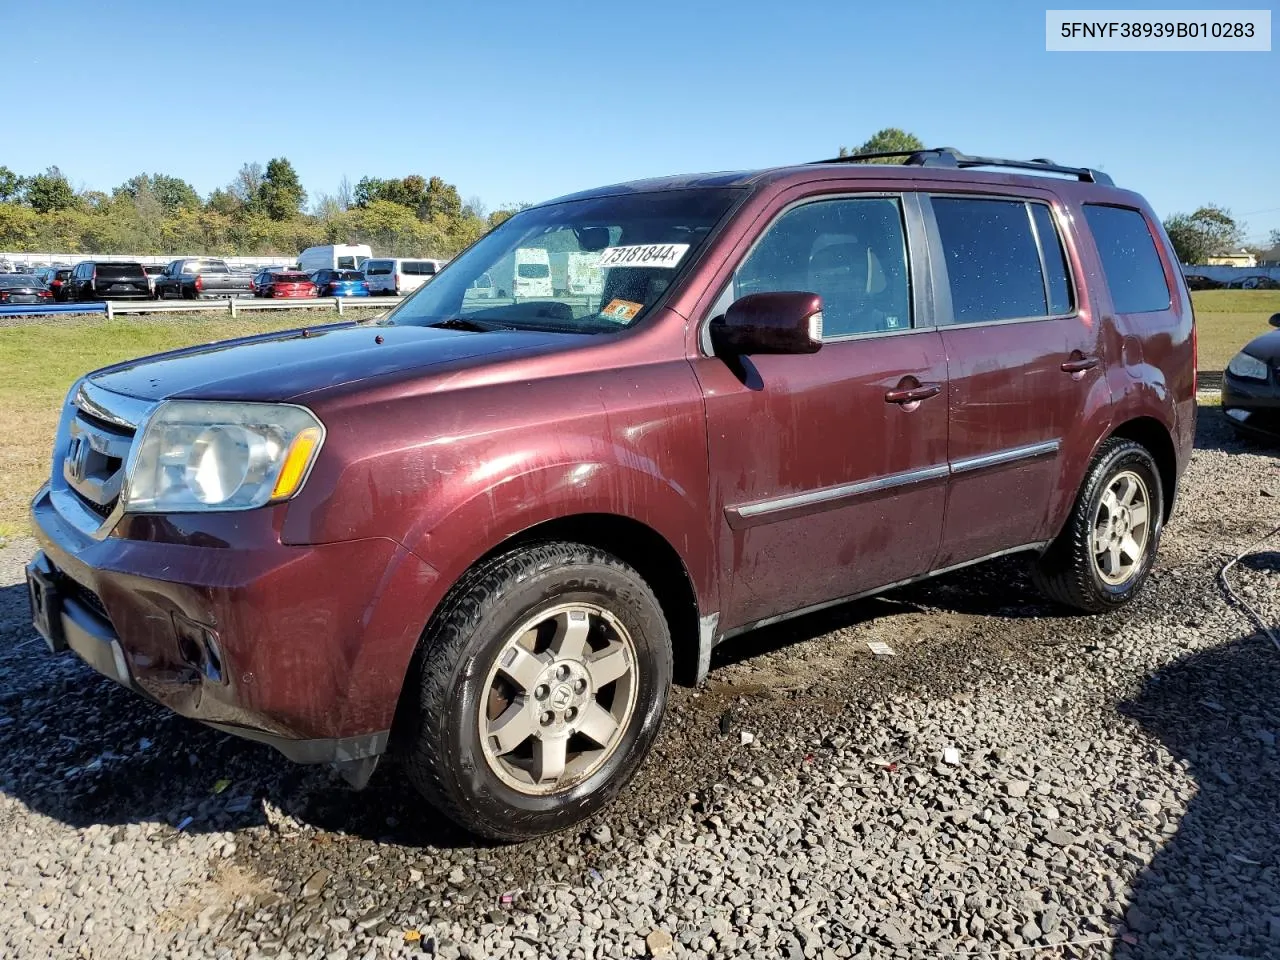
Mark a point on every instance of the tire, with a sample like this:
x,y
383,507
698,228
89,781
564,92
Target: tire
x,y
458,685
1070,571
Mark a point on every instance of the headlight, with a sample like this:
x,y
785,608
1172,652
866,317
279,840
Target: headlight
x,y
198,455
1251,368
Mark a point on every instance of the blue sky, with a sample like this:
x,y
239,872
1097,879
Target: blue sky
x,y
524,101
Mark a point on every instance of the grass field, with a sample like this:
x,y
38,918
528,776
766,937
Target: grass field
x,y
40,362
1228,319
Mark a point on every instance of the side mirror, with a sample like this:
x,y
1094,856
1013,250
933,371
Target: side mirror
x,y
786,322
1275,320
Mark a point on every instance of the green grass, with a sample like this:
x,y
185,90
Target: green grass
x,y
41,361
1228,319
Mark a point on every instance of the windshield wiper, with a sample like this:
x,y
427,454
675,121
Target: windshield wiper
x,y
466,323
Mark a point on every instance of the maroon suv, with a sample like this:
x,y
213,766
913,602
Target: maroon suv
x,y
484,533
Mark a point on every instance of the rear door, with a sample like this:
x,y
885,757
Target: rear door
x,y
829,481
1024,367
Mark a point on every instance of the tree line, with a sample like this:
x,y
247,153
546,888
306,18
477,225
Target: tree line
x,y
262,211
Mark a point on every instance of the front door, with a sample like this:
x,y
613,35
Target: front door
x,y
1024,369
829,469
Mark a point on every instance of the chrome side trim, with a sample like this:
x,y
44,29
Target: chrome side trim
x,y
1037,545
1012,455
826,495
760,511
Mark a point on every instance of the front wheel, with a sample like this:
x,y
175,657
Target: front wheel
x,y
540,687
1102,557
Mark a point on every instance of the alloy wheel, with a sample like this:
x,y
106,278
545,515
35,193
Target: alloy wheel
x,y
559,698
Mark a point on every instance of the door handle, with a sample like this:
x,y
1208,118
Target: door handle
x,y
905,395
1079,364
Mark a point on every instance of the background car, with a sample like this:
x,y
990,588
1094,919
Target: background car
x,y
55,278
1251,386
1256,282
1197,282
289,283
397,276
340,283
23,288
482,288
114,280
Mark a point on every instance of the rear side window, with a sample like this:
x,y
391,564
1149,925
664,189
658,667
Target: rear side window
x,y
993,263
1130,261
422,268
120,271
1055,261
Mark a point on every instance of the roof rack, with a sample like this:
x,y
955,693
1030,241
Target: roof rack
x,y
953,159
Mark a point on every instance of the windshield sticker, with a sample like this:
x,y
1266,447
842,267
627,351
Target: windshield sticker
x,y
664,255
621,311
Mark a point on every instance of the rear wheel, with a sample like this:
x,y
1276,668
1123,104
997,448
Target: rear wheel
x,y
540,687
1102,557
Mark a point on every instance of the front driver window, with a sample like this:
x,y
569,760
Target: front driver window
x,y
851,252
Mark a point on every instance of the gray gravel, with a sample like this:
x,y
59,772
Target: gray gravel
x,y
1013,778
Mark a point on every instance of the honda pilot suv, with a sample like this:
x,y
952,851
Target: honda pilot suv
x,y
485,534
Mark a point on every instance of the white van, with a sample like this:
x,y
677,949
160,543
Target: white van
x,y
531,275
399,276
334,256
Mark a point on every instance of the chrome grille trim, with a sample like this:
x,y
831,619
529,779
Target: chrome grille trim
x,y
92,453
114,408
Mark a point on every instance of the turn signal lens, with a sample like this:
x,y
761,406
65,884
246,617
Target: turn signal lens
x,y
296,462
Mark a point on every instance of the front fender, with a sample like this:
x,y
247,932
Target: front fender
x,y
623,485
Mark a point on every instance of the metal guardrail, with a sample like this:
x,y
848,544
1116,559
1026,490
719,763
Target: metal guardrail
x,y
238,305
232,305
37,309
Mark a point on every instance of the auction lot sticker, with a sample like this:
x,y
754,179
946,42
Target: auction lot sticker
x,y
665,255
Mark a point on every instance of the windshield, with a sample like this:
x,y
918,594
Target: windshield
x,y
582,266
347,275
18,280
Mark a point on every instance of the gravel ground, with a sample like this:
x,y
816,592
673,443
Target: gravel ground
x,y
1013,782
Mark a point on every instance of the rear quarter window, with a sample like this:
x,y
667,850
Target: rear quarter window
x,y
1130,261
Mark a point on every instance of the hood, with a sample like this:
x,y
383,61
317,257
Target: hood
x,y
1265,347
286,365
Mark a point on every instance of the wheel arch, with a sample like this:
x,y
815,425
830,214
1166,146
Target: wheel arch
x,y
631,541
1155,437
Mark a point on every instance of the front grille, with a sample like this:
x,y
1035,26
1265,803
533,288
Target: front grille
x,y
93,463
82,594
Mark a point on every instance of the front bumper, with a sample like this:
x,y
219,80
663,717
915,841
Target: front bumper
x,y
1253,406
304,648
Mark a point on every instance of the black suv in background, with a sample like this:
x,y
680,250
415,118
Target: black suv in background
x,y
117,280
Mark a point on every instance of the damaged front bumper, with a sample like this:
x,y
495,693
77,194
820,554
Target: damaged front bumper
x,y
301,648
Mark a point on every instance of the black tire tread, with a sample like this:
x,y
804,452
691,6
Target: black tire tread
x,y
1064,571
443,647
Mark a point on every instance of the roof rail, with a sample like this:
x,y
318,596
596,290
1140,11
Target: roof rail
x,y
953,159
